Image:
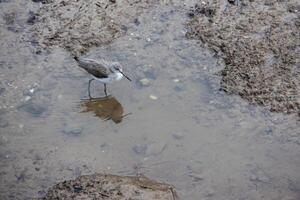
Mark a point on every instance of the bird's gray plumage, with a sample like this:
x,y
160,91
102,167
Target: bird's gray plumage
x,y
103,71
99,68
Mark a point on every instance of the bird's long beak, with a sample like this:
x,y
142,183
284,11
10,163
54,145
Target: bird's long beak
x,y
124,75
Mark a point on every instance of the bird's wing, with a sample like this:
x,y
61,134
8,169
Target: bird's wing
x,y
96,68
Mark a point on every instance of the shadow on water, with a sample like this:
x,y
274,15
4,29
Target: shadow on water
x,y
106,108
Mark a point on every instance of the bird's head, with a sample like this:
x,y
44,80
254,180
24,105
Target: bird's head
x,y
118,68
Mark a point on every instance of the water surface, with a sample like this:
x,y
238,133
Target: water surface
x,y
181,129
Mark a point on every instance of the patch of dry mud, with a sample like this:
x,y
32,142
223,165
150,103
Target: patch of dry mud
x,y
260,44
79,25
100,186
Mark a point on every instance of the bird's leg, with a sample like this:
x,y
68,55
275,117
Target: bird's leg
x,y
105,89
89,87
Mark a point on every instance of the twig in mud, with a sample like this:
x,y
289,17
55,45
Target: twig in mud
x,y
105,195
98,4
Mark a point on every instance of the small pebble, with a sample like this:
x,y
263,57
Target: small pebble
x,y
31,90
153,97
32,18
72,129
136,22
178,136
140,149
2,90
179,88
209,192
197,177
27,98
3,122
145,82
36,110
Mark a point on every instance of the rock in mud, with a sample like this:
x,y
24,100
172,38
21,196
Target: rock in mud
x,y
36,110
144,82
2,90
178,136
32,18
72,129
105,186
79,25
140,149
202,9
179,88
259,42
3,122
41,1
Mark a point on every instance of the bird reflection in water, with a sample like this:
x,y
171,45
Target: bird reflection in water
x,y
106,108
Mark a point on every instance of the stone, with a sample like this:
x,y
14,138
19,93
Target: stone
x,y
139,149
136,21
153,97
27,98
144,82
196,177
36,110
2,89
179,88
32,18
3,122
72,129
178,136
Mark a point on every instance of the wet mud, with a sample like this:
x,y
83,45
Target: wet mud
x,y
171,123
78,26
105,186
259,42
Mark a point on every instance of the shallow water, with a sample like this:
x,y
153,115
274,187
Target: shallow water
x,y
179,129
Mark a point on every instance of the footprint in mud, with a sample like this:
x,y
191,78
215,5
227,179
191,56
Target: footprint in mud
x,y
106,108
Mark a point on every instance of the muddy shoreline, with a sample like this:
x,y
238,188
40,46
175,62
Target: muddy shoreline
x,y
179,127
259,42
77,26
106,186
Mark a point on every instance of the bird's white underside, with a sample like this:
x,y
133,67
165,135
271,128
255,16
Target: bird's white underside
x,y
116,76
